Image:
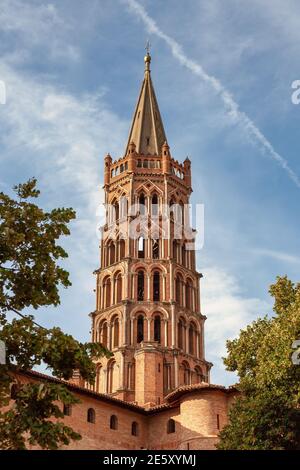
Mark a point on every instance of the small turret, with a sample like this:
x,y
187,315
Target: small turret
x,y
107,165
165,150
131,156
187,172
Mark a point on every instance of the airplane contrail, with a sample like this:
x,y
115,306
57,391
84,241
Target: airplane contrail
x,y
230,104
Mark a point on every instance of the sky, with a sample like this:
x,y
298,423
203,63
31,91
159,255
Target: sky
x,y
222,71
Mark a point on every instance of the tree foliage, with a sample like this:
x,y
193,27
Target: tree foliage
x,y
30,276
266,415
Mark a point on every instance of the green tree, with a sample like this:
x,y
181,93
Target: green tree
x,y
266,414
31,277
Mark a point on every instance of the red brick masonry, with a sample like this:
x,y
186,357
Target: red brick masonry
x,y
199,411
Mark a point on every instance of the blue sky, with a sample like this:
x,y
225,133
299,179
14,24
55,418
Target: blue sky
x,y
73,71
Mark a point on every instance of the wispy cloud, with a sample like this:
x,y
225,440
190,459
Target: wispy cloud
x,y
278,255
39,26
231,106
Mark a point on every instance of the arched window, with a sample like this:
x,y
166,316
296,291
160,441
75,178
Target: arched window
x,y
157,328
155,249
112,253
178,289
175,255
199,375
142,204
154,205
170,426
123,207
107,292
140,329
141,285
118,285
103,333
189,294
156,287
183,255
91,416
116,210
186,374
141,247
172,207
67,410
122,249
134,428
192,338
181,329
181,212
113,422
116,330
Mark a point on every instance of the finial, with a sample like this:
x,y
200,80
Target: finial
x,y
147,58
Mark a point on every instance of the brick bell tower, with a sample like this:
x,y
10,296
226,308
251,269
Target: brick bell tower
x,y
148,290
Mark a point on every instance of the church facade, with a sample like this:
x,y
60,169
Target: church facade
x,y
155,391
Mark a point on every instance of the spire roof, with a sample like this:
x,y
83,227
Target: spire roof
x,y
147,130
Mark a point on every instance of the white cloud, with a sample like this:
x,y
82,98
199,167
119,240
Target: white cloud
x,y
67,134
61,138
278,255
231,106
37,25
228,310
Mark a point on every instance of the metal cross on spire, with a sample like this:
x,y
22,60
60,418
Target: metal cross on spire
x,y
148,46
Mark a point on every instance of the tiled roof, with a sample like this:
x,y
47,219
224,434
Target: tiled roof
x,y
173,396
98,396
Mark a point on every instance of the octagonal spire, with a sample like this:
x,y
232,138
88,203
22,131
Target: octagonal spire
x,y
147,130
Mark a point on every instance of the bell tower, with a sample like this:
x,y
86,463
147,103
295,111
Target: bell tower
x,y
147,288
